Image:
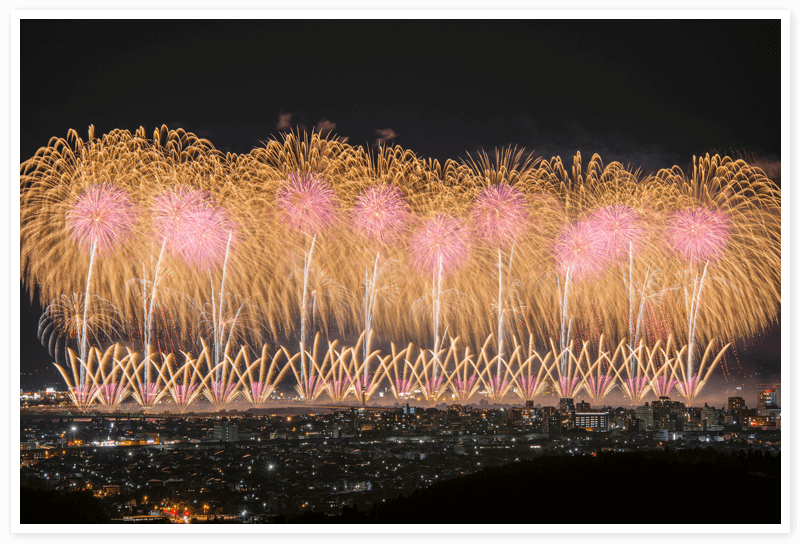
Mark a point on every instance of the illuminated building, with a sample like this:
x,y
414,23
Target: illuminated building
x,y
592,421
768,398
735,404
709,418
645,415
225,432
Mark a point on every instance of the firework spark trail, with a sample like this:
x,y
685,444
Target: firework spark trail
x,y
219,333
698,234
100,220
381,215
370,297
580,254
439,248
620,231
303,306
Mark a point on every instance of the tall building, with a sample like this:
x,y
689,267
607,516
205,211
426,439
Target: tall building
x,y
583,406
566,405
661,407
768,398
224,431
735,404
709,418
646,416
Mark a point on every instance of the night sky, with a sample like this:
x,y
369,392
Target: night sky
x,y
648,93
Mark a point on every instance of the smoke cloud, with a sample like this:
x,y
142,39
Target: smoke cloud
x,y
384,135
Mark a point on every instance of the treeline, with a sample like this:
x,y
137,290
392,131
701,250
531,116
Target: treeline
x,y
687,487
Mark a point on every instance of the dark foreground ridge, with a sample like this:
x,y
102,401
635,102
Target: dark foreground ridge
x,y
687,487
44,506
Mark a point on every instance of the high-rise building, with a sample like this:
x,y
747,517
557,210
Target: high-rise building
x,y
224,431
583,406
553,423
566,405
709,418
735,404
645,414
661,407
768,398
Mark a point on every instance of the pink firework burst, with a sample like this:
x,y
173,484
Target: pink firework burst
x,y
699,233
598,385
148,391
497,386
220,391
636,386
101,218
431,386
173,212
566,385
580,251
337,388
463,386
688,386
362,384
83,394
183,393
442,239
403,388
308,203
111,393
619,228
381,213
192,226
500,215
528,385
663,386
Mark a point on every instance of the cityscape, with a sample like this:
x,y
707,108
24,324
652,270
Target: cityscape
x,y
266,466
401,288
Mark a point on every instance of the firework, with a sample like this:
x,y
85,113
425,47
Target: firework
x,y
62,322
580,251
620,230
663,386
101,219
381,214
308,203
500,215
693,242
440,246
699,234
464,388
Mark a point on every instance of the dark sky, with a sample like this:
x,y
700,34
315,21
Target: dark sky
x,y
648,92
